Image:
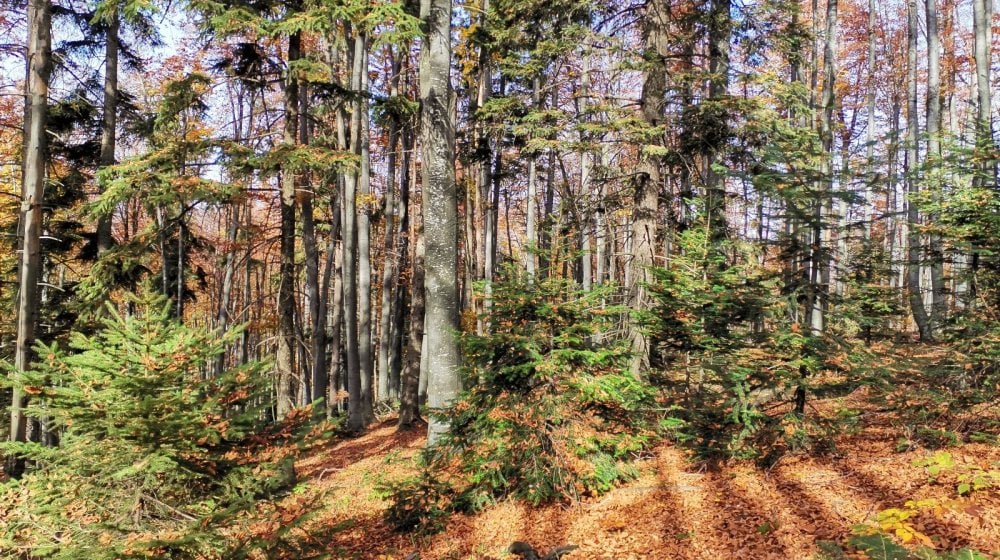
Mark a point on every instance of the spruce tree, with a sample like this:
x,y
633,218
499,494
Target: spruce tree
x,y
156,459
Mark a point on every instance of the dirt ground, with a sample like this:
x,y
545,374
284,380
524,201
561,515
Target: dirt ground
x,y
676,509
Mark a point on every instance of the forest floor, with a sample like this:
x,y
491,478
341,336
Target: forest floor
x,y
681,509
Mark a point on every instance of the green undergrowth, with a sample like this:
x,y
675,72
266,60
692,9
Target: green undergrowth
x,y
155,458
551,412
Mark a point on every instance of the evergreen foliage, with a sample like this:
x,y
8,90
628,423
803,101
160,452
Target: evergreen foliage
x,y
551,412
968,219
155,459
725,346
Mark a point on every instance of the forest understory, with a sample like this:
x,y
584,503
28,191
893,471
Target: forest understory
x,y
805,505
430,279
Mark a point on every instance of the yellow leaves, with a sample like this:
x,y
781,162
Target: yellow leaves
x,y
197,132
895,521
899,521
908,534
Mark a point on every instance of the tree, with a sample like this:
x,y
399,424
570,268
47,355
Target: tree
x,y
161,476
913,185
32,201
440,203
285,360
109,128
982,16
939,306
648,180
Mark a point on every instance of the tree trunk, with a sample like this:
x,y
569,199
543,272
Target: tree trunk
x,y
33,195
939,306
402,290
364,241
586,181
913,184
389,269
440,200
647,183
869,203
409,405
285,358
819,261
531,217
226,291
982,11
109,127
720,30
355,409
336,306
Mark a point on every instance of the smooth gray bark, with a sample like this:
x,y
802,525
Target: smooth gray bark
x,y
531,217
982,15
917,308
409,404
389,268
440,201
939,306
647,184
365,357
355,410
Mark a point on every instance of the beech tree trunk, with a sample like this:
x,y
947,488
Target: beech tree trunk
x,y
403,291
285,358
648,179
409,401
939,306
364,240
920,316
982,15
719,37
440,201
355,412
389,268
531,216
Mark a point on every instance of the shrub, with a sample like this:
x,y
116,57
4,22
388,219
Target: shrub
x,y
726,347
155,459
551,411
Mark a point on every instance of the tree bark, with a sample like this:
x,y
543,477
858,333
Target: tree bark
x,y
39,57
939,306
226,290
285,358
389,269
648,180
719,35
440,200
364,240
913,183
355,410
402,290
819,261
982,11
409,405
531,216
109,126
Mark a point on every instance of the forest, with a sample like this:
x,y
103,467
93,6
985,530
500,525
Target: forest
x,y
499,279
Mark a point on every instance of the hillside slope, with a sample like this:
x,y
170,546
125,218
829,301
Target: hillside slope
x,y
679,509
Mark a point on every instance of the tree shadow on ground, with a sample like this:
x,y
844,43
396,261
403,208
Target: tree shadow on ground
x,y
380,439
948,534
